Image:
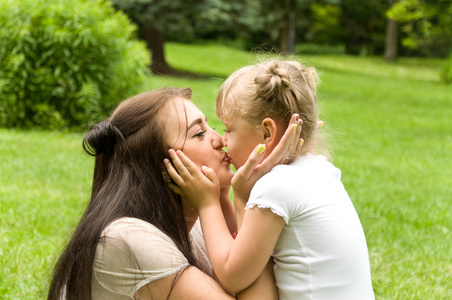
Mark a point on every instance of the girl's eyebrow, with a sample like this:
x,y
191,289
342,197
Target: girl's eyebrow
x,y
197,121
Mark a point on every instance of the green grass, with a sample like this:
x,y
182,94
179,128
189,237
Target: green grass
x,y
390,134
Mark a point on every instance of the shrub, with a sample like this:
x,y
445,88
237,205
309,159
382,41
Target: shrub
x,y
65,62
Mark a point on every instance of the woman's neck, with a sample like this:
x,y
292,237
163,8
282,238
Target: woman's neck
x,y
191,216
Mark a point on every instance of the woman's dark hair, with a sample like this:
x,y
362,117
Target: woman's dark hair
x,y
129,148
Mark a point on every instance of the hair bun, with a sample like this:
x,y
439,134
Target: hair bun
x,y
272,81
312,78
101,138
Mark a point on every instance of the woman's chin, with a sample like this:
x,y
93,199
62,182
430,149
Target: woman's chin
x,y
226,178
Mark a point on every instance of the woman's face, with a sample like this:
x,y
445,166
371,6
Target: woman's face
x,y
187,130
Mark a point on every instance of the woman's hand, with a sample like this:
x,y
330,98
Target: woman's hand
x,y
288,147
198,188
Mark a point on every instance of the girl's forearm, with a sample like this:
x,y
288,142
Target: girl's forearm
x,y
239,207
238,263
228,212
264,288
219,243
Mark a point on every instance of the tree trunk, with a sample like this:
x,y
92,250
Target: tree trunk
x,y
155,40
391,46
291,39
284,35
288,33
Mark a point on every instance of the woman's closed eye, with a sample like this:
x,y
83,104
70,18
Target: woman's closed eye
x,y
200,133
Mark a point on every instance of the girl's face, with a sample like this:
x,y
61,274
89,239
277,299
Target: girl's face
x,y
240,139
187,130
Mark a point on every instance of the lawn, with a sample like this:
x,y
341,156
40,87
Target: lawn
x,y
389,131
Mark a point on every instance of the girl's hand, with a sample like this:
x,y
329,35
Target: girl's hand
x,y
288,147
198,188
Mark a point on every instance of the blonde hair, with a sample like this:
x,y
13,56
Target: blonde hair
x,y
275,89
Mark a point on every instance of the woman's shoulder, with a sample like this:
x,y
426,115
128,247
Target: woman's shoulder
x,y
132,253
149,245
137,234
129,221
130,225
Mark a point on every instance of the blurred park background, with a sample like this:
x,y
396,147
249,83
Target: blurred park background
x,y
385,97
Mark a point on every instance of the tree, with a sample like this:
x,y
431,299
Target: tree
x,y
283,19
391,45
363,23
157,18
288,28
426,23
154,18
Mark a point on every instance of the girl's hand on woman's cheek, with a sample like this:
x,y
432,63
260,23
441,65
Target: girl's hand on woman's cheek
x,y
198,188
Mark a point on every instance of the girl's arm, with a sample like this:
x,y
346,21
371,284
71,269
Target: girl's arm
x,y
263,288
228,209
190,284
196,285
237,264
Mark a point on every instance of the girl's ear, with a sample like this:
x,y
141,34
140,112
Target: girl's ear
x,y
270,131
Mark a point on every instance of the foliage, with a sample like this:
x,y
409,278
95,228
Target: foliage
x,y
325,25
427,25
65,62
183,20
364,24
255,23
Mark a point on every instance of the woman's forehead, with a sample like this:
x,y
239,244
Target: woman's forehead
x,y
177,117
185,110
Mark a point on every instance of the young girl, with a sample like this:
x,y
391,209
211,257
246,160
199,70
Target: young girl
x,y
300,213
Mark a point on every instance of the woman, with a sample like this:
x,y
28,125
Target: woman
x,y
138,239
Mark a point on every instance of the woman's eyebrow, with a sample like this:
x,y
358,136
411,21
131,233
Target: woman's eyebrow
x,y
197,121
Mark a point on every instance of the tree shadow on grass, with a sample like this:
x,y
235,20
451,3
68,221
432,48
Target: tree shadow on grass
x,y
169,71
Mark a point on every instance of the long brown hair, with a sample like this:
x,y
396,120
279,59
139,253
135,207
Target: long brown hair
x,y
129,148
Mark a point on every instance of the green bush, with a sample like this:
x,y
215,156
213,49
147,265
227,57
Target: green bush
x,y
65,62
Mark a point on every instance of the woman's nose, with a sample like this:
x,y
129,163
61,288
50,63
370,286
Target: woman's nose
x,y
217,140
224,140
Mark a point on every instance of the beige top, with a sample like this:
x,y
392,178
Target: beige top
x,y
133,253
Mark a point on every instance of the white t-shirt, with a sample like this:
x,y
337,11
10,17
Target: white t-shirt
x,y
133,253
321,252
